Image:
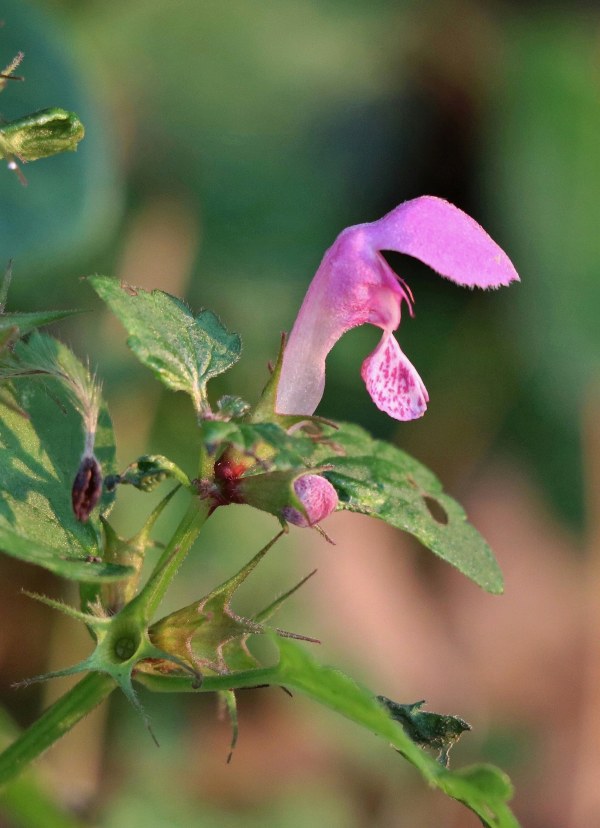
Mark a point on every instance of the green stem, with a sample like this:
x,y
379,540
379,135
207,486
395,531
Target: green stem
x,y
482,788
206,461
369,715
210,684
146,602
54,723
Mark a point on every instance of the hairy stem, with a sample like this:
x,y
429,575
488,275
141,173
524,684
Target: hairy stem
x,y
231,681
146,602
54,723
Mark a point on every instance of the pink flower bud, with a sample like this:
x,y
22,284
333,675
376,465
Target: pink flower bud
x,y
318,498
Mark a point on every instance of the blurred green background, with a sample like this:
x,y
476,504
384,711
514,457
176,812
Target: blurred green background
x,y
227,143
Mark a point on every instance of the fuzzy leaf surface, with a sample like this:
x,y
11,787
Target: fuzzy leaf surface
x,y
39,457
182,350
376,478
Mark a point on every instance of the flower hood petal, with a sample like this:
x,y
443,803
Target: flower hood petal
x,y
448,240
354,285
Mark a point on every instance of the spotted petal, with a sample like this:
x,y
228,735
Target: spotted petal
x,y
393,382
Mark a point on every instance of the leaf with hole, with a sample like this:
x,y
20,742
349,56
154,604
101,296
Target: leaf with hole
x,y
376,478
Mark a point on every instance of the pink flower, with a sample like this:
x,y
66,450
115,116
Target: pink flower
x,y
355,285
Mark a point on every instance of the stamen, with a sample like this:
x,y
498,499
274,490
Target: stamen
x,y
407,294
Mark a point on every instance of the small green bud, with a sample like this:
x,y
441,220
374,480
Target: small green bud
x,y
232,408
147,473
40,135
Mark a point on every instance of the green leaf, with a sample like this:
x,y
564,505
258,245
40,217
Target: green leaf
x,y
184,351
376,478
427,729
26,322
232,407
14,325
39,457
482,788
485,790
41,355
7,336
269,443
40,135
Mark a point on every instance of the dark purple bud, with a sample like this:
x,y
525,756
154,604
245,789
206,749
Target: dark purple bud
x,y
87,488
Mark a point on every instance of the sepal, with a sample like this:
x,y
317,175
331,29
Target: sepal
x,y
266,408
208,635
122,643
303,498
